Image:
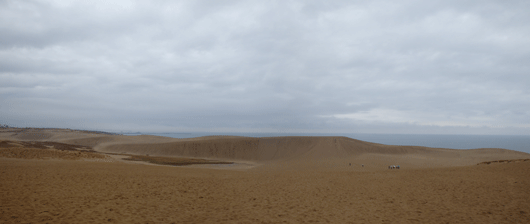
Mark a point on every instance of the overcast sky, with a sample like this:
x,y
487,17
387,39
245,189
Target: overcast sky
x,y
437,67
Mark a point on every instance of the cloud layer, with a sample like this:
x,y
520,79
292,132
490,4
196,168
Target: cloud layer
x,y
341,66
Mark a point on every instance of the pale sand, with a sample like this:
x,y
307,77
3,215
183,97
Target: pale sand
x,y
289,179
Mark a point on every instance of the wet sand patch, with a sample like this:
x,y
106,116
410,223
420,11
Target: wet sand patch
x,y
174,161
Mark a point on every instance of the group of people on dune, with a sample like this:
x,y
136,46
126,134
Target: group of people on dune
x,y
393,167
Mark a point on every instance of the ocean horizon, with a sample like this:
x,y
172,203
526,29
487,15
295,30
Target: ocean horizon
x,y
513,142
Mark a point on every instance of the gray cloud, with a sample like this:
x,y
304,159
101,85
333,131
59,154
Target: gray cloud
x,y
344,66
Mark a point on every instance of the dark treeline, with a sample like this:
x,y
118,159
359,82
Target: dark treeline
x,y
80,130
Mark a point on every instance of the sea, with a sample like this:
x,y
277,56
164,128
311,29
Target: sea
x,y
513,142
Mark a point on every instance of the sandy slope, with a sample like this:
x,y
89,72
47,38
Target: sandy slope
x,y
44,191
291,180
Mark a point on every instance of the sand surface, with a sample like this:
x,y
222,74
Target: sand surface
x,y
277,180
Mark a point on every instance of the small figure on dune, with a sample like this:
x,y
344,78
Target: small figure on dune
x,y
350,164
362,165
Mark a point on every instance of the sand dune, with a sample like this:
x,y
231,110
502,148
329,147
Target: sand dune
x,y
309,149
48,150
279,180
295,150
